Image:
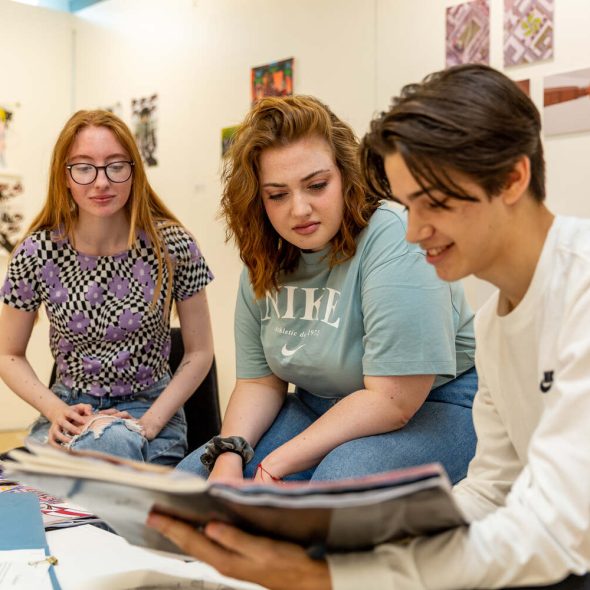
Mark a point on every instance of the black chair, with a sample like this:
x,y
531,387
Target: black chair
x,y
203,415
570,583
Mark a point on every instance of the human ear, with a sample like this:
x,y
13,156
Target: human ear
x,y
517,182
68,179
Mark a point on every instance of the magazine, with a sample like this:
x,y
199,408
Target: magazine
x,y
341,515
55,512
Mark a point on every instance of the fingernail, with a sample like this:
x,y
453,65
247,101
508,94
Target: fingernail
x,y
153,520
213,529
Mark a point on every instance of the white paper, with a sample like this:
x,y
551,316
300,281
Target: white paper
x,y
123,566
24,568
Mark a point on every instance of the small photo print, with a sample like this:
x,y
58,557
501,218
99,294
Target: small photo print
x,y
145,127
566,102
274,79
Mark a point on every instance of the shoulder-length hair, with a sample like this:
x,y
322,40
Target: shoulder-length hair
x,y
470,119
145,210
275,122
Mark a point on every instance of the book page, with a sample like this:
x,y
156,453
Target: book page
x,y
339,515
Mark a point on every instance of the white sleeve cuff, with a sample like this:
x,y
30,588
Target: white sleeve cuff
x,y
352,571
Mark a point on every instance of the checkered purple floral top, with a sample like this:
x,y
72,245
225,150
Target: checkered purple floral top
x,y
105,336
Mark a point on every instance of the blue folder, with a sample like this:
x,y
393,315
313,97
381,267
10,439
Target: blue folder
x,y
22,525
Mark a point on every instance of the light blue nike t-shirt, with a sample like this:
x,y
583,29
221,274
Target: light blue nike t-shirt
x,y
383,312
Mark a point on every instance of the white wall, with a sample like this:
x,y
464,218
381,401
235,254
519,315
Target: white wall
x,y
197,55
411,44
36,49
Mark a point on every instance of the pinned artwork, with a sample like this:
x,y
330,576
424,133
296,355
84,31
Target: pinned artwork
x,y
274,79
6,114
11,216
566,101
145,127
468,33
528,31
524,85
227,135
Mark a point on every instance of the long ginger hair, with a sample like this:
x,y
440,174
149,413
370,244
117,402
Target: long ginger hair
x,y
145,210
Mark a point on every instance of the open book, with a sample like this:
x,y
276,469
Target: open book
x,y
341,515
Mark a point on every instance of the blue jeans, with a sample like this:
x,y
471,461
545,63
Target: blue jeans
x,y
441,430
119,437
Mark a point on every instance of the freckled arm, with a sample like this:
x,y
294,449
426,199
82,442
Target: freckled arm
x,y
18,374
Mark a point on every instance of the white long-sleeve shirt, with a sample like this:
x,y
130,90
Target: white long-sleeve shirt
x,y
527,491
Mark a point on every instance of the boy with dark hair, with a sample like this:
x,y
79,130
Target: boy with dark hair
x,y
462,152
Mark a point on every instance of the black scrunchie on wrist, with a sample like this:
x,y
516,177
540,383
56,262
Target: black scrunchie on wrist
x,y
228,444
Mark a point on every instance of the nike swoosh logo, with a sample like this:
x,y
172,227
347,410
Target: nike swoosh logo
x,y
286,352
547,382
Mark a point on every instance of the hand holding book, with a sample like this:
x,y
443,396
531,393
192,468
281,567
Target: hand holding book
x,y
274,564
340,515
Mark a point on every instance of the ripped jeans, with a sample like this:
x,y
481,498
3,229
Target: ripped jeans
x,y
120,436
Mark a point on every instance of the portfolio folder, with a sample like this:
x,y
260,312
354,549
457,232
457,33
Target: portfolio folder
x,y
22,526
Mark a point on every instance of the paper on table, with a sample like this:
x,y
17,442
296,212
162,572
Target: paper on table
x,y
123,566
54,511
24,568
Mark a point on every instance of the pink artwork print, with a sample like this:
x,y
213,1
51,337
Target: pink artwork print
x,y
468,33
528,31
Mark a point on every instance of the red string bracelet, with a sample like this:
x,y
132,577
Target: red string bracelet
x,y
278,479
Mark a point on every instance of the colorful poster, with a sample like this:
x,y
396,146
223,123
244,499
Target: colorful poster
x,y
145,127
227,135
6,114
274,79
566,101
528,31
468,33
11,216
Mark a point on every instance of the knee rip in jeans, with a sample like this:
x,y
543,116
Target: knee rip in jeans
x,y
98,424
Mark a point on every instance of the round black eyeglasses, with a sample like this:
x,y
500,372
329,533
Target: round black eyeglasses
x,y
87,173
